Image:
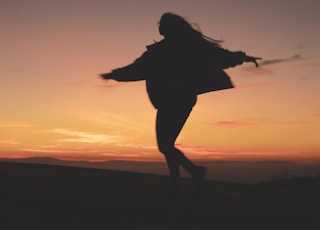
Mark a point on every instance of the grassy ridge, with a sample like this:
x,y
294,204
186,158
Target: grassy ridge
x,y
60,197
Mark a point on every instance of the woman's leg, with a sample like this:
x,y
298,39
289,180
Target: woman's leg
x,y
168,126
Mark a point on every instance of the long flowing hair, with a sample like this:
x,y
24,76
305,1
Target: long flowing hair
x,y
174,26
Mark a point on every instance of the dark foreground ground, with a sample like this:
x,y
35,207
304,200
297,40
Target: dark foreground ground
x,y
58,197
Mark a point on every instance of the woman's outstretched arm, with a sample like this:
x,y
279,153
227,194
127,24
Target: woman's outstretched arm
x,y
225,59
133,72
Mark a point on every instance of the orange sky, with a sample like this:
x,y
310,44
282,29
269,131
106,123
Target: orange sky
x,y
54,105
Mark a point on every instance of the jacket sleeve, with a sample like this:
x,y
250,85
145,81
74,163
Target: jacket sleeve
x,y
224,58
133,72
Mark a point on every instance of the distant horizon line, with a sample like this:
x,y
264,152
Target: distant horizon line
x,y
146,161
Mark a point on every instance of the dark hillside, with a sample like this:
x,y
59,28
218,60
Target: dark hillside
x,y
60,197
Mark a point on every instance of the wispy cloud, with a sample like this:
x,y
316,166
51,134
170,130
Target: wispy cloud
x,y
120,155
118,121
136,146
9,142
49,151
280,60
198,150
85,137
201,153
13,155
253,122
14,125
73,152
265,64
110,84
87,154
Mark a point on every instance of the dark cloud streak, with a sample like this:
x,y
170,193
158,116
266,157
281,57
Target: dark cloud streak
x,y
283,60
254,122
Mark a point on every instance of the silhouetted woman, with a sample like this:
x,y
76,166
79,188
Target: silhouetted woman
x,y
176,69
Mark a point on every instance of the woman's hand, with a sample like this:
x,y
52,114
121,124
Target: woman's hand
x,y
252,59
106,75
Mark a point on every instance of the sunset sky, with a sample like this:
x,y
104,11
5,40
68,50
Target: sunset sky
x,y
53,104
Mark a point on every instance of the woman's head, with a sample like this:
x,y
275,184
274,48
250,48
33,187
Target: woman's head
x,y
175,27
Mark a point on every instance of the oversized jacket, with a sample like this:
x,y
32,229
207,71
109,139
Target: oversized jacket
x,y
176,73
